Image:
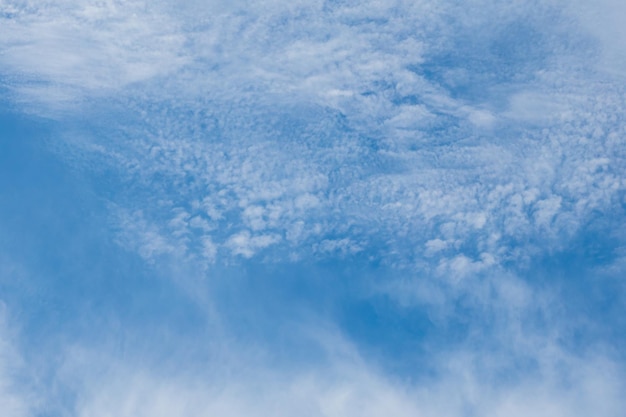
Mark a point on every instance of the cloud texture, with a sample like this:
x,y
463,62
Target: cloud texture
x,y
320,207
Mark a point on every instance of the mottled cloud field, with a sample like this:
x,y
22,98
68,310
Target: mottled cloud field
x,y
315,208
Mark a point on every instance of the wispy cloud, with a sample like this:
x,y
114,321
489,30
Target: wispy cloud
x,y
465,382
57,53
16,400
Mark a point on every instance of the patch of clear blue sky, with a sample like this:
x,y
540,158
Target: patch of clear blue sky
x,y
69,281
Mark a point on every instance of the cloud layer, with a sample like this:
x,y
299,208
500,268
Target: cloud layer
x,y
456,171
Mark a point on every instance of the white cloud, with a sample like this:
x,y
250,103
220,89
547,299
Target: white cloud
x,y
60,52
538,108
342,247
463,382
16,398
246,244
138,234
603,19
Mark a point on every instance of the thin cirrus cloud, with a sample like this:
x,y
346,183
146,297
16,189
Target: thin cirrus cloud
x,y
441,184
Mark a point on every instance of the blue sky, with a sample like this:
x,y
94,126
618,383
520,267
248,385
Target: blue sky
x,y
313,208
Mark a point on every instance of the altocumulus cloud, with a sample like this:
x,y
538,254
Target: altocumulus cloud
x,y
324,208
